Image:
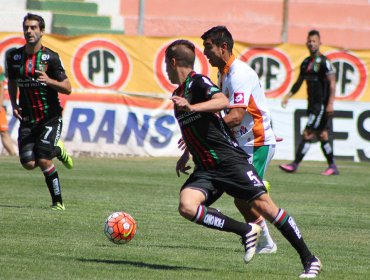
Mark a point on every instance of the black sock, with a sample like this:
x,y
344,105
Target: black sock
x,y
57,151
52,181
213,218
302,150
286,225
328,151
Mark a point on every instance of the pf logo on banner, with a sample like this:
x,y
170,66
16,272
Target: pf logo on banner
x,y
101,64
200,66
9,44
351,75
273,68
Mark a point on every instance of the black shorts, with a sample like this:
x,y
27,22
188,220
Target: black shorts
x,y
38,140
317,121
239,180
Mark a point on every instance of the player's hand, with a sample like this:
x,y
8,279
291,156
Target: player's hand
x,y
181,103
330,110
17,112
181,164
181,144
42,77
284,101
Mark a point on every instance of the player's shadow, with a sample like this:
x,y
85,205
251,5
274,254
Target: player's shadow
x,y
13,206
143,264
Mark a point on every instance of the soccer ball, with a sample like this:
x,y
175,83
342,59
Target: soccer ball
x,y
120,227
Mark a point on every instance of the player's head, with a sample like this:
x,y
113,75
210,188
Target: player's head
x,y
179,54
219,35
313,32
35,17
33,28
218,44
313,41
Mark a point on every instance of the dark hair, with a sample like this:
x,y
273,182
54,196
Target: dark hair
x,y
219,35
313,32
38,18
183,51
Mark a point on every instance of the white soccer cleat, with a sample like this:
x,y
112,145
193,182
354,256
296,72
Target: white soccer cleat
x,y
266,249
250,240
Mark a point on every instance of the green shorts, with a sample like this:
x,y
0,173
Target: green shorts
x,y
260,157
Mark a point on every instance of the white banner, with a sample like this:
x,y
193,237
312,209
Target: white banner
x,y
351,130
112,127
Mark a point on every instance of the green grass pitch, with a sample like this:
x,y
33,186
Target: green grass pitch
x,y
333,214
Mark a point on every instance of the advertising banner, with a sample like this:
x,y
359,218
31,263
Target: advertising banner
x,y
120,101
106,125
135,64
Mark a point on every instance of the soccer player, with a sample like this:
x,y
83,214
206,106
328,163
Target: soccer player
x,y
4,134
39,75
220,163
319,74
247,116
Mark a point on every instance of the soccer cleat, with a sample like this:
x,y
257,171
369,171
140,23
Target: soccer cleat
x,y
250,240
266,249
57,206
311,268
267,185
64,157
331,170
290,168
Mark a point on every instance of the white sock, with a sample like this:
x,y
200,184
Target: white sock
x,y
265,238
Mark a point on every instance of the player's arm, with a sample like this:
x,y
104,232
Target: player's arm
x,y
181,165
13,90
234,117
63,86
295,88
57,78
332,82
241,84
217,103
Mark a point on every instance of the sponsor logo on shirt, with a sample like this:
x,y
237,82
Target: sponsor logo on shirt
x,y
238,98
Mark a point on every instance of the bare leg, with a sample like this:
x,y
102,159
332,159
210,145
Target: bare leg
x,y
7,143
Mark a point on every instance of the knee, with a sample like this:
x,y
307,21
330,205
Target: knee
x,y
44,163
29,165
323,136
308,137
188,209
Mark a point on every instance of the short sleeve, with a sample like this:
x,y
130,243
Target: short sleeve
x,y
329,68
56,68
9,69
207,86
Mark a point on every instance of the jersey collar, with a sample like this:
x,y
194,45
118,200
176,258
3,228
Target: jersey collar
x,y
228,65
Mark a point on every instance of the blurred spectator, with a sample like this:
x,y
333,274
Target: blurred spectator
x,y
5,137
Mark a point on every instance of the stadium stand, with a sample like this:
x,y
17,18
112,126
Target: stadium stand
x,y
342,23
76,17
66,17
12,13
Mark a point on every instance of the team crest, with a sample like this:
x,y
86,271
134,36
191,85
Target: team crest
x,y
317,64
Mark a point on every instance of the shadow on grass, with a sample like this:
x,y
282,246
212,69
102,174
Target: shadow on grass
x,y
13,206
142,264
